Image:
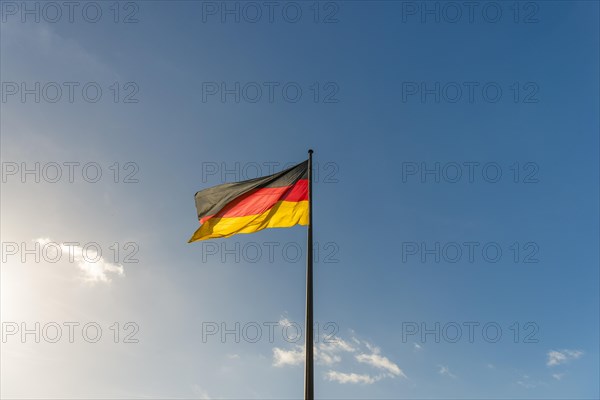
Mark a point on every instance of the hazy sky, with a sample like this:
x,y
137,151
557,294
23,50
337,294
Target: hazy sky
x,y
455,208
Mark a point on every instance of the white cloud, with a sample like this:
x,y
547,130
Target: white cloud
x,y
342,377
372,348
327,358
233,356
324,353
200,393
445,371
328,352
337,344
563,356
333,352
526,385
380,362
558,377
94,267
283,357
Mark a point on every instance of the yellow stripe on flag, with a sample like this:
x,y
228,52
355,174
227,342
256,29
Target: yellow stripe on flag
x,y
282,215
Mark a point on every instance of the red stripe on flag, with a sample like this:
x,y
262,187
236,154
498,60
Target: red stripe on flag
x,y
260,200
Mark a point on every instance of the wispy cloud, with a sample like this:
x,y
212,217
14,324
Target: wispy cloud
x,y
556,357
93,266
342,377
445,371
200,393
329,352
378,361
324,353
282,357
558,377
526,384
336,345
332,352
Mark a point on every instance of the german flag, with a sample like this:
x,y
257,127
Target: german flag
x,y
274,201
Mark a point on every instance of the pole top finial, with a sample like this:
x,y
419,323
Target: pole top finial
x,y
310,151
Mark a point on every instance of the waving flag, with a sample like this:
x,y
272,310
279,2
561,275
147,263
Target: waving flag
x,y
275,201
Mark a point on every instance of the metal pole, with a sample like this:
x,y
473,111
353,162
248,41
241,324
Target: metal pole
x,y
309,393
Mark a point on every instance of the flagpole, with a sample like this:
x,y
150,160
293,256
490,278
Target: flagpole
x,y
309,393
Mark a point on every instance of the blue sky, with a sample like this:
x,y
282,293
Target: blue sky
x,y
388,93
